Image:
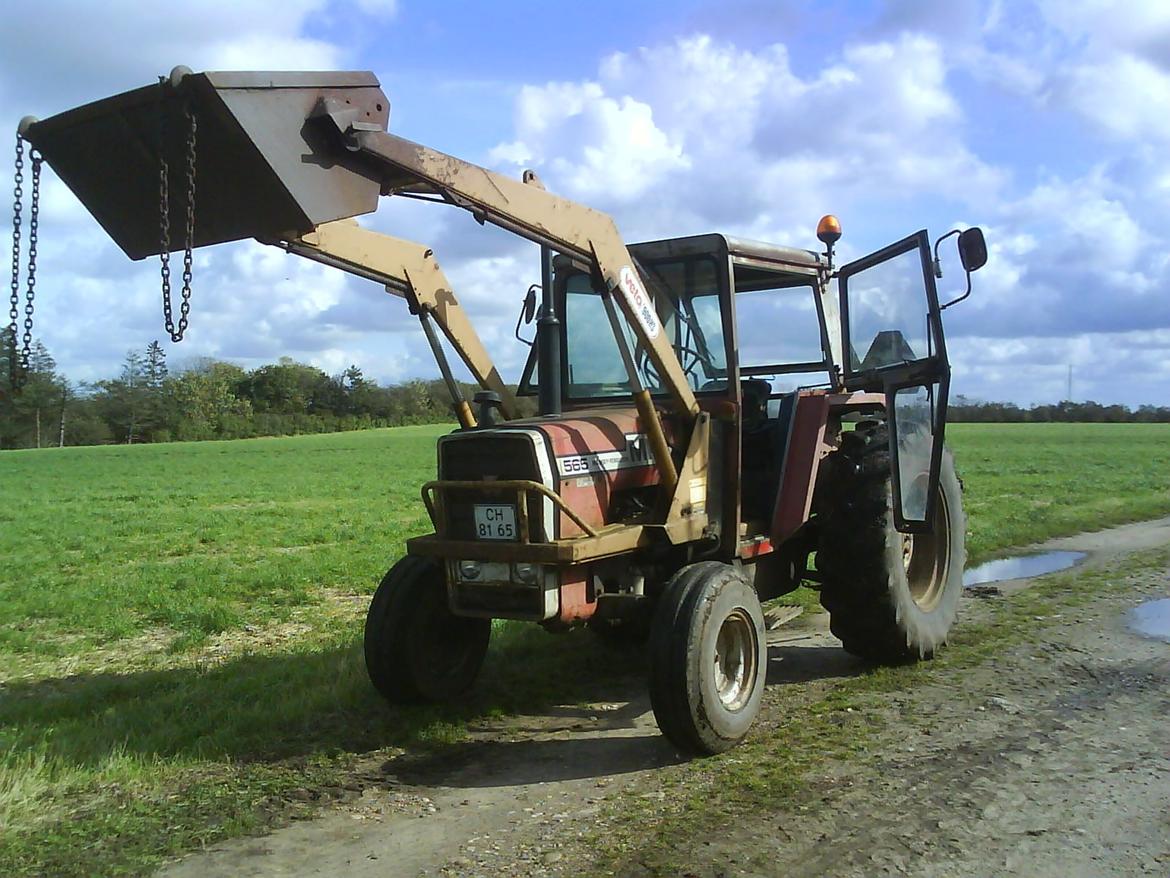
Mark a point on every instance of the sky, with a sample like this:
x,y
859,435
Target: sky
x,y
1045,123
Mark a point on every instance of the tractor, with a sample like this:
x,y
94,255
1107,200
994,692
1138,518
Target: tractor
x,y
684,466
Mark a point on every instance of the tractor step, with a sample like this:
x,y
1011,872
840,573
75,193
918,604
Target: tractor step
x,y
778,616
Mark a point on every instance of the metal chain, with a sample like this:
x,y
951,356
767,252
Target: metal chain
x,y
164,222
19,357
176,332
185,307
34,213
14,306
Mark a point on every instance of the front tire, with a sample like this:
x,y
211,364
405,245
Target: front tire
x,y
708,658
416,649
891,597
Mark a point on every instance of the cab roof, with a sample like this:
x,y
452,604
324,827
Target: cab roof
x,y
741,250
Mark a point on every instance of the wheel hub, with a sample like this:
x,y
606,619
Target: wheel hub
x,y
926,557
735,660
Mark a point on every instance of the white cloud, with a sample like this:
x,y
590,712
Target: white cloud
x,y
1067,258
1109,66
1143,26
592,143
1039,366
1125,94
721,136
109,47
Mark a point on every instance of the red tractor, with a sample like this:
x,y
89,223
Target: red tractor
x,y
683,467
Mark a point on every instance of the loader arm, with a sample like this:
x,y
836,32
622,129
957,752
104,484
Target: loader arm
x,y
532,213
410,271
282,155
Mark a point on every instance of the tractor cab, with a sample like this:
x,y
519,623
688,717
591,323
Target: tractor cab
x,y
746,321
766,343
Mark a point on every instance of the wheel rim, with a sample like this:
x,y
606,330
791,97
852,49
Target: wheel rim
x,y
735,660
926,557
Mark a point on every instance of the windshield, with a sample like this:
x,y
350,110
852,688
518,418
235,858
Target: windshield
x,y
686,296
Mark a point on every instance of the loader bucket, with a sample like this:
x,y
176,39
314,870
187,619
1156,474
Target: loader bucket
x,y
262,168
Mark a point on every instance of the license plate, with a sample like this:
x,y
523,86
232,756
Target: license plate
x,y
495,522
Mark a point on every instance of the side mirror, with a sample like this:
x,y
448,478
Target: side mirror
x,y
972,254
972,249
527,312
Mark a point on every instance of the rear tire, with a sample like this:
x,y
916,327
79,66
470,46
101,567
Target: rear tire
x,y
416,649
891,597
708,658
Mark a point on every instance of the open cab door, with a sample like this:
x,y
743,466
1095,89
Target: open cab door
x,y
893,341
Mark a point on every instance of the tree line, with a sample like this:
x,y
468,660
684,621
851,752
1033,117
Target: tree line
x,y
962,409
213,399
208,399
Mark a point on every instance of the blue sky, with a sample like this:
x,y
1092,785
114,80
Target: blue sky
x,y
1045,122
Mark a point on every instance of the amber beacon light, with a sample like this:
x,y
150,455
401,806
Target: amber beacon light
x,y
829,230
829,233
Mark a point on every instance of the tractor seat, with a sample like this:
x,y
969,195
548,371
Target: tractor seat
x,y
762,446
755,393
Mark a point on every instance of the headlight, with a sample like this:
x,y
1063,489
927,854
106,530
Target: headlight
x,y
469,569
525,572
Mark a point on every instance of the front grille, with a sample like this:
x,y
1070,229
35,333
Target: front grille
x,y
487,458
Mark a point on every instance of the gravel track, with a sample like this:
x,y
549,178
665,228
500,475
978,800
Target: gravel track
x,y
1050,759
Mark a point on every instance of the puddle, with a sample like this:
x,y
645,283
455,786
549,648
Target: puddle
x,y
1020,567
1152,619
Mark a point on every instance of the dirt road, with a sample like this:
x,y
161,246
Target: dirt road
x,y
1049,758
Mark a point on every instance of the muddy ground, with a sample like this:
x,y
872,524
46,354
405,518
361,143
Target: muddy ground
x,y
1051,758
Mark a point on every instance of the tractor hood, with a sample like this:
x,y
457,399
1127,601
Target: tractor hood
x,y
592,458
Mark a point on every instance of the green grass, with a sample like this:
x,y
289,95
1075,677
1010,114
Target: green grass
x,y
199,538
180,624
1028,482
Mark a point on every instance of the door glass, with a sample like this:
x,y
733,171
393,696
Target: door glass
x,y
914,431
888,309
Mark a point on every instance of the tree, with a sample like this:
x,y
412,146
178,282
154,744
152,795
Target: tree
x,y
288,387
66,394
155,368
26,413
206,401
359,393
123,401
154,373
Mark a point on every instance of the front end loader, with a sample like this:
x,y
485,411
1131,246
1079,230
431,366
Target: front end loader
x,y
671,483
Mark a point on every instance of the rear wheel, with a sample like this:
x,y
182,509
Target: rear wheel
x,y
891,597
416,649
708,658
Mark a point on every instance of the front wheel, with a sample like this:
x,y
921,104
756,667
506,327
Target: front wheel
x,y
416,649
708,658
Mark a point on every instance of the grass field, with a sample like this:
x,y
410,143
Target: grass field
x,y
179,623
